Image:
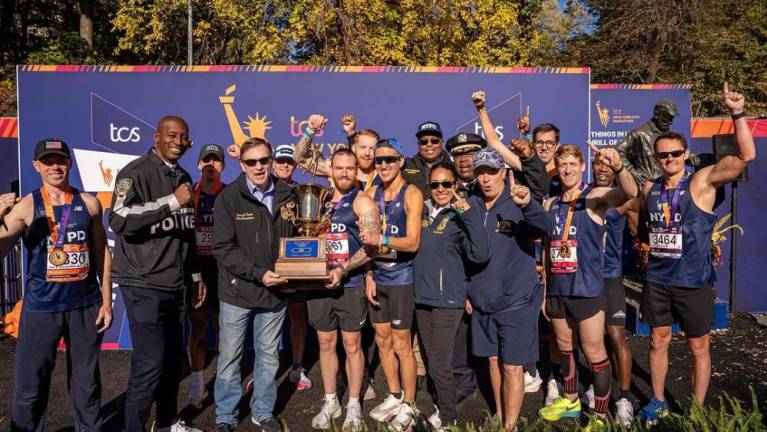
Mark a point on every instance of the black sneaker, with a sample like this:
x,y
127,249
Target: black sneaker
x,y
224,427
269,425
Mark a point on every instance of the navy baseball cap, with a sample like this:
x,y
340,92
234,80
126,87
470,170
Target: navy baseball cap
x,y
47,146
391,143
429,128
488,157
211,149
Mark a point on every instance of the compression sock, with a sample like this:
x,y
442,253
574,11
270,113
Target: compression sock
x,y
569,373
603,377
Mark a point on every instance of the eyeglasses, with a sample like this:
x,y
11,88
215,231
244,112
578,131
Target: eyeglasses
x,y
252,162
547,144
425,141
665,155
445,184
379,160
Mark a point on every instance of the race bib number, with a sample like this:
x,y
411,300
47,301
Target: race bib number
x,y
337,252
563,256
73,266
666,243
204,239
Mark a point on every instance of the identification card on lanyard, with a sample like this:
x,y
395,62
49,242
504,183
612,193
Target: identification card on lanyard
x,y
67,262
667,240
563,253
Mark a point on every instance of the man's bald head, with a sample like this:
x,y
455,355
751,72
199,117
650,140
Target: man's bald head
x,y
172,118
171,138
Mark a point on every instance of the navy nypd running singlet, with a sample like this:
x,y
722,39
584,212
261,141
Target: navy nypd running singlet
x,y
578,272
680,249
394,267
615,223
343,238
72,283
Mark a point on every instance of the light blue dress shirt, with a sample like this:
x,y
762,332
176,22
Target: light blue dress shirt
x,y
264,197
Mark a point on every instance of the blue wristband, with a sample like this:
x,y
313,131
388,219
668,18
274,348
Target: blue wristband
x,y
529,137
386,241
308,134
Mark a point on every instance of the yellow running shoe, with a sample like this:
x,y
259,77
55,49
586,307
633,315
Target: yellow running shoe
x,y
561,407
596,424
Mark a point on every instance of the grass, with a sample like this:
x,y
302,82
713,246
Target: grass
x,y
729,416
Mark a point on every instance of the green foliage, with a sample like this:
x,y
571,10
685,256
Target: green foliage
x,y
700,42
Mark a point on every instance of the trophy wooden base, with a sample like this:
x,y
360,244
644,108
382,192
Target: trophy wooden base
x,y
302,262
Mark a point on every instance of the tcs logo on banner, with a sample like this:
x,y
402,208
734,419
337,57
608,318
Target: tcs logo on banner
x,y
124,134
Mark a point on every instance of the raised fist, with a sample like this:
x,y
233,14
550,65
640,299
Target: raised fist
x,y
607,155
233,151
7,201
317,123
734,100
349,123
520,195
183,194
478,97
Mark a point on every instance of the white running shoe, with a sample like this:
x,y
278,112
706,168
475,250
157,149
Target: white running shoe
x,y
589,395
179,426
552,392
331,410
386,409
298,377
533,382
624,412
353,420
434,419
405,419
370,392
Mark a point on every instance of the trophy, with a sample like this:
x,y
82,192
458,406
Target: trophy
x,y
302,259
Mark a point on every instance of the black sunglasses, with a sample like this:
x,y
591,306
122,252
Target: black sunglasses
x,y
425,141
665,155
445,184
388,159
252,162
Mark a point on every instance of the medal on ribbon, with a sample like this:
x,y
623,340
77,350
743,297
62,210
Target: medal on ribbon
x,y
57,256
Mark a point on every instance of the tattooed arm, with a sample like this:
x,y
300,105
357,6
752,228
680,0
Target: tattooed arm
x,y
369,222
303,153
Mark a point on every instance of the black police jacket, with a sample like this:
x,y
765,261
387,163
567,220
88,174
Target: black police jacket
x,y
155,244
416,171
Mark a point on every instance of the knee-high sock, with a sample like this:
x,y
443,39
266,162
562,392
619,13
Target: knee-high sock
x,y
603,377
569,373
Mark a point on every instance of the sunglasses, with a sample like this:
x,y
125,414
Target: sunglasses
x,y
426,141
445,184
252,162
665,155
379,160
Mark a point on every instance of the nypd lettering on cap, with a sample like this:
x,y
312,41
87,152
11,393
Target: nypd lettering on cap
x,y
428,126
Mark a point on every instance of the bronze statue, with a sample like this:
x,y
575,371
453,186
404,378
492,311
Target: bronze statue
x,y
637,150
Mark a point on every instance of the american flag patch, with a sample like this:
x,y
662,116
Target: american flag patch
x,y
53,145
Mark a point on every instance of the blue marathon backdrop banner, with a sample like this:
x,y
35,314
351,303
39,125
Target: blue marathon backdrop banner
x,y
107,113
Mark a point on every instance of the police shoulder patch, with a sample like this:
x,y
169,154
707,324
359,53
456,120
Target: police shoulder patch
x,y
123,186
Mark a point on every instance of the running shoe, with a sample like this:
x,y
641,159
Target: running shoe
x,y
330,410
532,382
386,409
653,411
562,407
